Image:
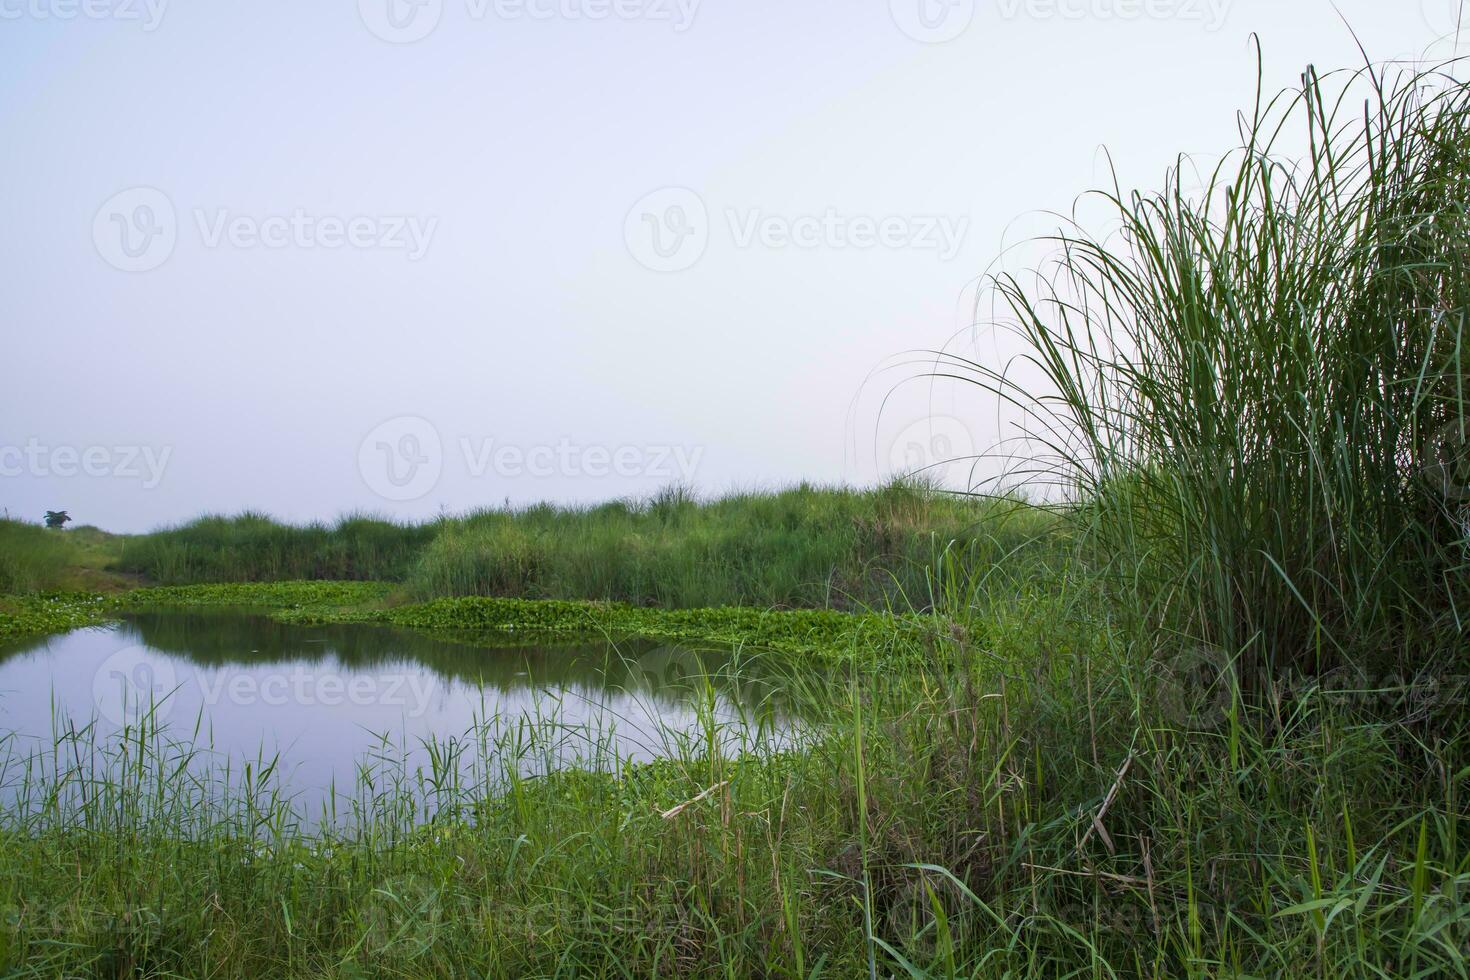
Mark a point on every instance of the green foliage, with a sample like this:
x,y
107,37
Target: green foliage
x,y
31,558
40,613
811,632
808,547
1259,391
255,548
942,816
335,596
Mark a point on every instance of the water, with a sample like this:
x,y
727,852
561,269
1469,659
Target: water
x,y
327,702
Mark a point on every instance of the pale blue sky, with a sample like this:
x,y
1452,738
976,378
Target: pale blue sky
x,y
232,375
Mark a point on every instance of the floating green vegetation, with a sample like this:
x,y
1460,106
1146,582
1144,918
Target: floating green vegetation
x,y
41,613
822,634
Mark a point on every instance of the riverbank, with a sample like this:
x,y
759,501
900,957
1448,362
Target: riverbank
x,y
800,547
1031,798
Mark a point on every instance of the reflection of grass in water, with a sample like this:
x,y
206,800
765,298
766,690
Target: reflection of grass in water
x,y
221,638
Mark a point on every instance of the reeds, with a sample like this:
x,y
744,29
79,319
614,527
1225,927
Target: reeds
x,y
1255,392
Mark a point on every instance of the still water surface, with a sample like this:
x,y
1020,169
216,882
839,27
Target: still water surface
x,y
326,701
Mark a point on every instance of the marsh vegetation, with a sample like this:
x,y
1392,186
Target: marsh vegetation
x,y
1203,714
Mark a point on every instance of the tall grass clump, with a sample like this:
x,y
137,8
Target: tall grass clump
x,y
1255,394
804,546
824,547
32,558
256,548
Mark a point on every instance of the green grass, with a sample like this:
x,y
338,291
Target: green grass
x,y
32,558
36,559
1258,391
933,825
807,546
1204,718
803,547
256,548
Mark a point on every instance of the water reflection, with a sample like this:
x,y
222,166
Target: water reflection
x,y
325,702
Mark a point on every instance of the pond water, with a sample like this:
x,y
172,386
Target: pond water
x,y
332,703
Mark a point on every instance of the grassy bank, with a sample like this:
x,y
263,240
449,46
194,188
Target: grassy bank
x,y
804,547
256,548
35,559
943,823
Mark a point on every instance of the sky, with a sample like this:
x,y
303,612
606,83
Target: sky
x,y
410,257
